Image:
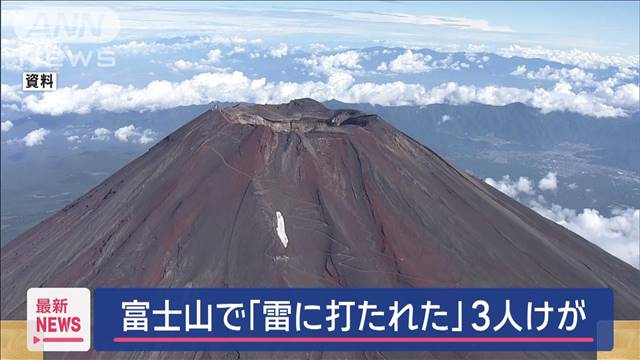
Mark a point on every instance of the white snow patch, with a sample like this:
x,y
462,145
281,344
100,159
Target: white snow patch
x,y
282,234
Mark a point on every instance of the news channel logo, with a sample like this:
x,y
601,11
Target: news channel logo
x,y
65,24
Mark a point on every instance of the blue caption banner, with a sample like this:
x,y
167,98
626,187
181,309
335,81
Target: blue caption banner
x,y
353,319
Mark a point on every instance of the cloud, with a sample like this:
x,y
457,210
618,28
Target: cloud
x,y
512,188
134,48
10,94
101,134
549,182
133,134
627,95
279,51
563,98
408,63
348,61
35,137
583,59
237,50
147,136
413,63
626,73
125,132
234,86
593,96
460,23
448,64
213,57
6,126
520,70
73,138
18,55
617,234
472,57
575,76
445,118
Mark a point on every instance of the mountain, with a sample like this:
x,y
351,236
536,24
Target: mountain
x,y
614,139
596,155
363,205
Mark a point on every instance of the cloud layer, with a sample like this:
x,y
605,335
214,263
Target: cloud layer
x,y
618,234
585,59
236,86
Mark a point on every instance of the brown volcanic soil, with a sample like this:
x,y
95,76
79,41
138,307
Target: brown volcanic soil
x,y
364,205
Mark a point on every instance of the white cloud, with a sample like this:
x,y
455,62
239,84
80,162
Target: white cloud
x,y
626,73
213,57
460,23
73,138
618,234
134,47
627,95
147,136
412,63
563,98
520,70
549,182
226,41
473,57
235,86
101,134
445,118
576,76
347,61
279,51
125,132
476,48
19,55
133,134
35,137
510,187
318,47
583,59
9,93
237,50
408,63
448,64
6,126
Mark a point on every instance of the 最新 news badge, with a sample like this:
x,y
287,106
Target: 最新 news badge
x,y
58,319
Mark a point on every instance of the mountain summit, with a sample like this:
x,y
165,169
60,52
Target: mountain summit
x,y
297,195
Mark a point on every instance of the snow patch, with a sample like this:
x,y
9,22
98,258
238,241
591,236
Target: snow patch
x,y
282,234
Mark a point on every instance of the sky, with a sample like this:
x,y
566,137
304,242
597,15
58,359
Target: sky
x,y
609,28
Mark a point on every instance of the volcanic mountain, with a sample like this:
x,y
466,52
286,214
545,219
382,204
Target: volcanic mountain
x,y
297,195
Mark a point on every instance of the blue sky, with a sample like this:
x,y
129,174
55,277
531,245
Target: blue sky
x,y
609,28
